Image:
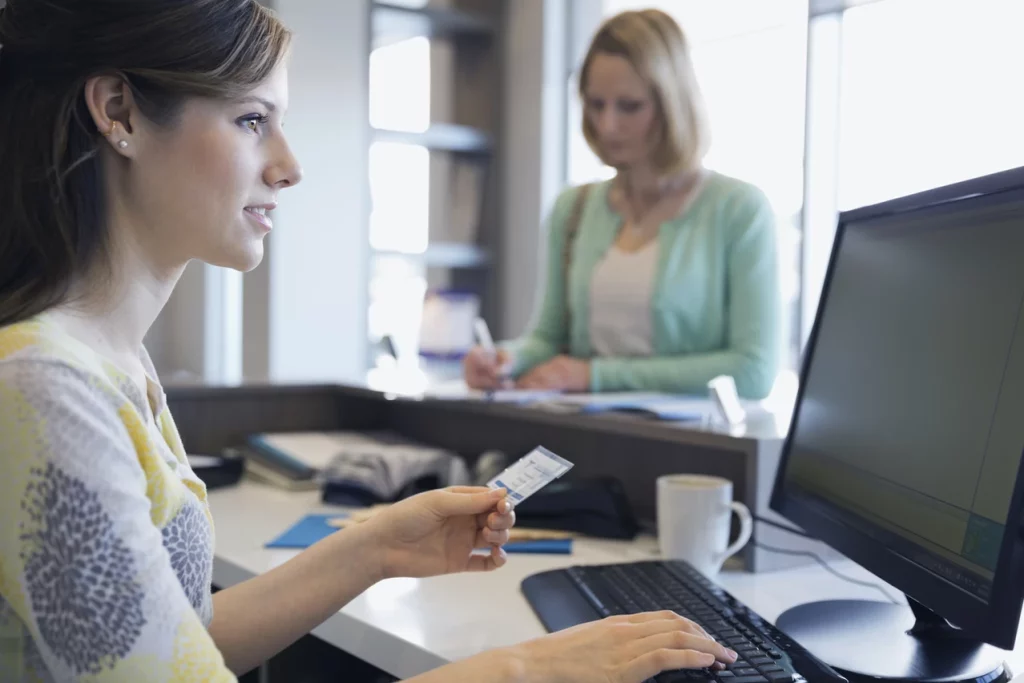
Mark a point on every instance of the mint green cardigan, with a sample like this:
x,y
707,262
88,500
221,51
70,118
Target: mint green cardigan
x,y
716,303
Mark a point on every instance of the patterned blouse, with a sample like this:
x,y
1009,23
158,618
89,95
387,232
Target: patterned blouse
x,y
106,538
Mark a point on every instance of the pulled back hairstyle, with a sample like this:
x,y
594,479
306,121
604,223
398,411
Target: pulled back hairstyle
x,y
52,214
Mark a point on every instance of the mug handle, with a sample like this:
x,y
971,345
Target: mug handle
x,y
746,529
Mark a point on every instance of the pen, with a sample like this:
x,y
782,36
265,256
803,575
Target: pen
x,y
483,336
486,341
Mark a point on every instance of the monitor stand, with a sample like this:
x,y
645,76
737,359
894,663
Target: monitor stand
x,y
868,641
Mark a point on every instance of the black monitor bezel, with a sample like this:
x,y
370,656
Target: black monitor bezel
x,y
995,622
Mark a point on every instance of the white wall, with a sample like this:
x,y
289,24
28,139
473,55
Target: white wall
x,y
319,247
533,146
176,340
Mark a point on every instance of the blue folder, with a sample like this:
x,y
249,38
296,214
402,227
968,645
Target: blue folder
x,y
306,532
312,528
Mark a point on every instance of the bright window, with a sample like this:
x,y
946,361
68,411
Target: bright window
x,y
930,95
400,89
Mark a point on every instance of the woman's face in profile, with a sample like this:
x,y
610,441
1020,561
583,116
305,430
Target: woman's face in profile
x,y
202,187
620,110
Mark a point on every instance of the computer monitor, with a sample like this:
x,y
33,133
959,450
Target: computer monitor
x,y
904,452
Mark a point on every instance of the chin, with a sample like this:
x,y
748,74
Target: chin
x,y
620,161
252,259
242,260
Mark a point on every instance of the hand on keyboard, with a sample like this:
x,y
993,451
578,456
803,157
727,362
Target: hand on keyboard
x,y
621,649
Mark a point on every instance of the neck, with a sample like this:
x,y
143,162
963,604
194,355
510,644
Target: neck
x,y
641,182
644,187
135,288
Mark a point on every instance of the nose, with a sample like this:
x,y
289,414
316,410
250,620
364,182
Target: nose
x,y
284,170
607,122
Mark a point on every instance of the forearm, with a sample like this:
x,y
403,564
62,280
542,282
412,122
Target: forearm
x,y
259,617
494,666
530,351
688,374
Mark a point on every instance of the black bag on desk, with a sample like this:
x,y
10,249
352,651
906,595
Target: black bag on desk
x,y
595,507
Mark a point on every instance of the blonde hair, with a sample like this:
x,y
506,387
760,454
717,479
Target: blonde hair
x,y
654,44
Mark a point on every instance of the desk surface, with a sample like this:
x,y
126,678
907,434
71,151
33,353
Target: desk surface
x,y
409,626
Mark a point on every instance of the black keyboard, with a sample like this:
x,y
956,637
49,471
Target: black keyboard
x,y
566,597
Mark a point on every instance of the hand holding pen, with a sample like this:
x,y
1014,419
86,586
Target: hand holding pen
x,y
485,366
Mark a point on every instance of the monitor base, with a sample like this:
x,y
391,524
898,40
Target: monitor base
x,y
868,641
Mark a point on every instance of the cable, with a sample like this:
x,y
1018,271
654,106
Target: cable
x,y
807,553
784,527
830,570
816,558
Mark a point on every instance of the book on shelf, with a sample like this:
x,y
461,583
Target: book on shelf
x,y
468,179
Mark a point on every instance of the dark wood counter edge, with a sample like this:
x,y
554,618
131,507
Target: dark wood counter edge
x,y
617,423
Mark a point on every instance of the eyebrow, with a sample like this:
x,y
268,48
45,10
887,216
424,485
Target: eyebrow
x,y
266,103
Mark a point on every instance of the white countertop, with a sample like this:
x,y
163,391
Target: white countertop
x,y
409,626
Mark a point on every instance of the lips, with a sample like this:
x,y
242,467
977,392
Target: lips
x,y
259,214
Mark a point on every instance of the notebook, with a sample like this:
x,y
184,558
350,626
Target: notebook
x,y
660,406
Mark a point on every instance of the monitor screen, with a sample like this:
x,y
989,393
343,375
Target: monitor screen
x,y
910,426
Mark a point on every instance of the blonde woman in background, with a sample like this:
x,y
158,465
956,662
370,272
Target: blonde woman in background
x,y
665,276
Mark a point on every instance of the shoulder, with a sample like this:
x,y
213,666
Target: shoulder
x,y
741,210
64,425
567,198
41,344
46,379
735,196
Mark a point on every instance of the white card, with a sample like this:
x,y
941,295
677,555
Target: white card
x,y
530,474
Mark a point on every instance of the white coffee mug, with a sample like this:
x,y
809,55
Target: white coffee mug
x,y
694,512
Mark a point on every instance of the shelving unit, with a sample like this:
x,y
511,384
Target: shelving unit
x,y
393,23
461,140
441,137
447,255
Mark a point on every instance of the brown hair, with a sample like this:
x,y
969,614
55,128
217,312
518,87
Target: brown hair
x,y
52,214
652,42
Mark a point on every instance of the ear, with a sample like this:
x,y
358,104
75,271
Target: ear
x,y
112,108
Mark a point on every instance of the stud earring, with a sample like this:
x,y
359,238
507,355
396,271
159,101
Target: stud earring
x,y
122,144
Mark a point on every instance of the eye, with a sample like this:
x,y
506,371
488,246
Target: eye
x,y
254,122
629,106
